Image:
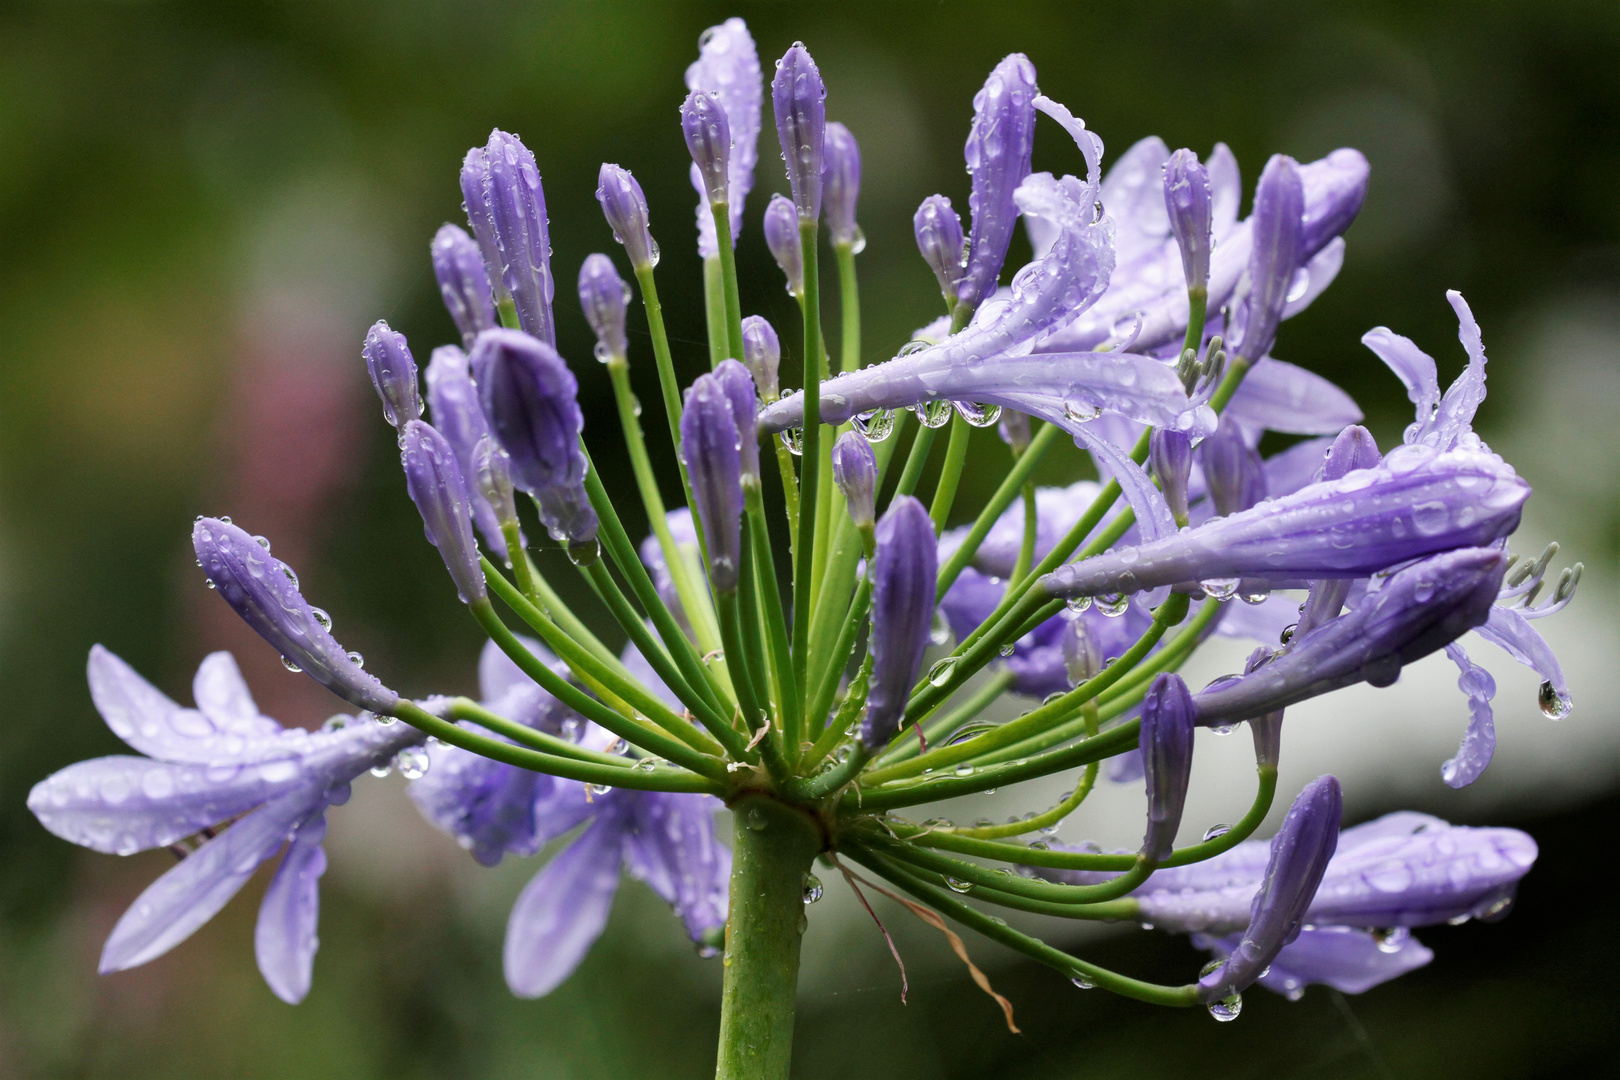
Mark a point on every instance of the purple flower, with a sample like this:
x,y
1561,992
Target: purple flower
x,y
782,237
492,482
708,140
854,468
481,217
738,385
998,152
1299,857
799,100
1167,749
603,296
684,532
1233,471
1170,453
762,353
440,493
625,208
511,213
728,65
1277,252
264,591
1349,959
1188,204
1415,503
940,240
709,447
463,281
530,399
1418,610
903,573
665,840
453,404
1335,187
841,182
205,766
393,373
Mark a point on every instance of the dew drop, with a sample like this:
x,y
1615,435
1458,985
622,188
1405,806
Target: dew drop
x,y
322,618
288,664
1077,604
876,425
1227,1009
1554,705
958,885
756,819
1391,939
1288,633
382,769
793,439
262,541
978,415
964,769
812,888
1083,982
1113,605
1216,830
357,660
412,762
933,414
940,673
1222,589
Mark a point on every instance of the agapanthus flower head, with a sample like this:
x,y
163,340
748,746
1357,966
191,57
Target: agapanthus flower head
x,y
263,590
1167,749
799,100
710,449
903,573
841,184
998,154
530,399
463,282
1190,207
762,353
1299,857
728,66
939,238
515,207
456,414
782,237
625,208
738,385
1277,254
708,139
440,492
603,296
854,468
393,372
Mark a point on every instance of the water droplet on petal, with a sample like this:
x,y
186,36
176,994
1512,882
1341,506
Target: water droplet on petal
x,y
1554,705
412,762
286,663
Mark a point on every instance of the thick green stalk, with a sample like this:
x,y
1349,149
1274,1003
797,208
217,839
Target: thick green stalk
x,y
790,494
950,474
775,622
804,559
849,306
714,309
771,852
831,666
732,324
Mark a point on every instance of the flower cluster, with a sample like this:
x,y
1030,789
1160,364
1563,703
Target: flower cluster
x,y
1143,329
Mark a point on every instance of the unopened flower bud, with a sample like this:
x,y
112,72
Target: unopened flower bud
x,y
903,573
1335,188
264,591
393,373
854,468
1267,728
998,156
439,491
728,65
1232,469
463,281
1187,200
782,237
709,447
1299,857
1014,430
799,99
516,206
708,139
453,404
762,353
1170,453
625,208
603,296
1279,206
739,387
1167,749
531,401
475,201
940,240
841,183
492,479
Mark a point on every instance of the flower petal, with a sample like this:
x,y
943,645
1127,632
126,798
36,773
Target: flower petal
x,y
562,910
1479,743
1512,633
142,716
672,847
1279,396
284,940
222,696
1346,958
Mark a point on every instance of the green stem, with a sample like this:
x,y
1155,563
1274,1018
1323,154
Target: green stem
x,y
667,383
776,628
1026,548
714,310
771,852
1033,888
728,281
804,559
849,305
950,474
1043,441
466,709
832,665
790,494
940,726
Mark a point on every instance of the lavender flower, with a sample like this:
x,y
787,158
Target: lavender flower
x,y
475,201
1417,611
1170,453
762,353
1278,252
1188,203
998,152
903,573
1299,857
529,398
393,373
512,229
799,100
709,446
205,766
1232,470
1167,749
738,385
453,405
940,240
1335,187
463,282
854,468
625,208
728,66
264,591
841,183
1349,959
708,140
603,296
782,237
436,486
492,482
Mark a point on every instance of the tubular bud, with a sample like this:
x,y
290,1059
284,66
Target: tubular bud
x,y
625,208
393,373
1167,749
854,468
709,446
475,201
903,573
463,281
516,205
998,154
841,183
708,139
453,402
1170,453
1232,469
1187,200
1279,207
782,237
799,99
492,480
739,387
439,491
940,240
728,65
762,353
603,296
1082,659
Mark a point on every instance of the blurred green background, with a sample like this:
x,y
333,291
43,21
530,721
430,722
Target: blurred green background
x,y
203,207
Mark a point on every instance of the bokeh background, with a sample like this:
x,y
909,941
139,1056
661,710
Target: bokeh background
x,y
203,206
